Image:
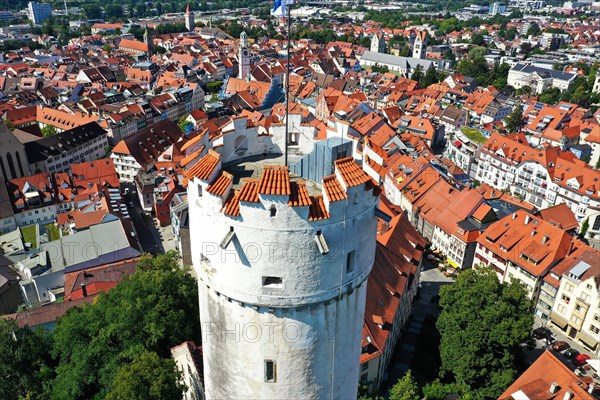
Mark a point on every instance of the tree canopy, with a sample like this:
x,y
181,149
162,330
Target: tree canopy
x,y
482,325
514,121
405,389
148,377
152,310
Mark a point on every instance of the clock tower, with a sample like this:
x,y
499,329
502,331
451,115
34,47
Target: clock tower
x,y
244,57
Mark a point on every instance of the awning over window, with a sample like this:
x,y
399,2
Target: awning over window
x,y
588,339
452,263
558,320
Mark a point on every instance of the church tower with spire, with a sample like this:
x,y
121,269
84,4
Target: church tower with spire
x,y
148,40
244,57
378,44
190,23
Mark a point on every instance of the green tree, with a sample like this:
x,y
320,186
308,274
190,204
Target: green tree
x,y
25,362
437,390
183,122
550,95
107,47
382,69
152,310
584,227
214,86
482,324
92,11
114,11
417,74
405,389
430,77
514,121
49,130
148,377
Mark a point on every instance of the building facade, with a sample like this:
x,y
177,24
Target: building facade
x,y
38,12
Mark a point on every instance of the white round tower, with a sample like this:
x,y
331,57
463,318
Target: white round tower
x,y
282,267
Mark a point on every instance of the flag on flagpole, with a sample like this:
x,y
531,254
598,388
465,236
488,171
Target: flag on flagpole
x,y
280,7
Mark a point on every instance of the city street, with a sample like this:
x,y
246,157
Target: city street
x,y
148,234
426,305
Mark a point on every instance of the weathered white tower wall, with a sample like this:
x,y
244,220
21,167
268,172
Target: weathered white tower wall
x,y
281,317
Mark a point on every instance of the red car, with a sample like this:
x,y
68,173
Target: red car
x,y
581,359
560,346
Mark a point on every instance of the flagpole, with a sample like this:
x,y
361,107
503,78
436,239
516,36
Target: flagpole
x,y
287,81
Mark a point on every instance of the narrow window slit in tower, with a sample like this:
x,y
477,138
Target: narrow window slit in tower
x,y
272,281
273,210
270,371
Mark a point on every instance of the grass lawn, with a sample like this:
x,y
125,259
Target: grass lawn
x,y
474,134
53,231
30,235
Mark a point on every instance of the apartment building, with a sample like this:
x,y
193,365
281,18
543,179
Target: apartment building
x,y
543,175
576,309
522,247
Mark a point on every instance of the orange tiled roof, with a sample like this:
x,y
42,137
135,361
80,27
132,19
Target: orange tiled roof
x,y
232,205
298,195
249,191
317,210
219,186
203,168
275,180
351,172
333,189
535,382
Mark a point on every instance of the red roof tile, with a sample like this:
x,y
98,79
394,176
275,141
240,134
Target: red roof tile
x,y
275,180
298,195
352,173
317,210
333,189
249,191
203,168
219,186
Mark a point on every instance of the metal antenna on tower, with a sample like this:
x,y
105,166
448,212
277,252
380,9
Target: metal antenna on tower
x,y
287,83
66,9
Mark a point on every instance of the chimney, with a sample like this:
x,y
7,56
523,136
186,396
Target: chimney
x,y
533,232
553,388
544,239
514,215
84,289
527,219
568,395
591,388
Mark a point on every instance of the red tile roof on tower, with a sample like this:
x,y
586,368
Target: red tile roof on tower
x,y
317,210
298,195
249,191
221,184
333,189
275,180
351,172
203,168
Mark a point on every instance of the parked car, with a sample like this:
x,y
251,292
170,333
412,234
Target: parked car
x,y
571,353
542,333
560,345
580,359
